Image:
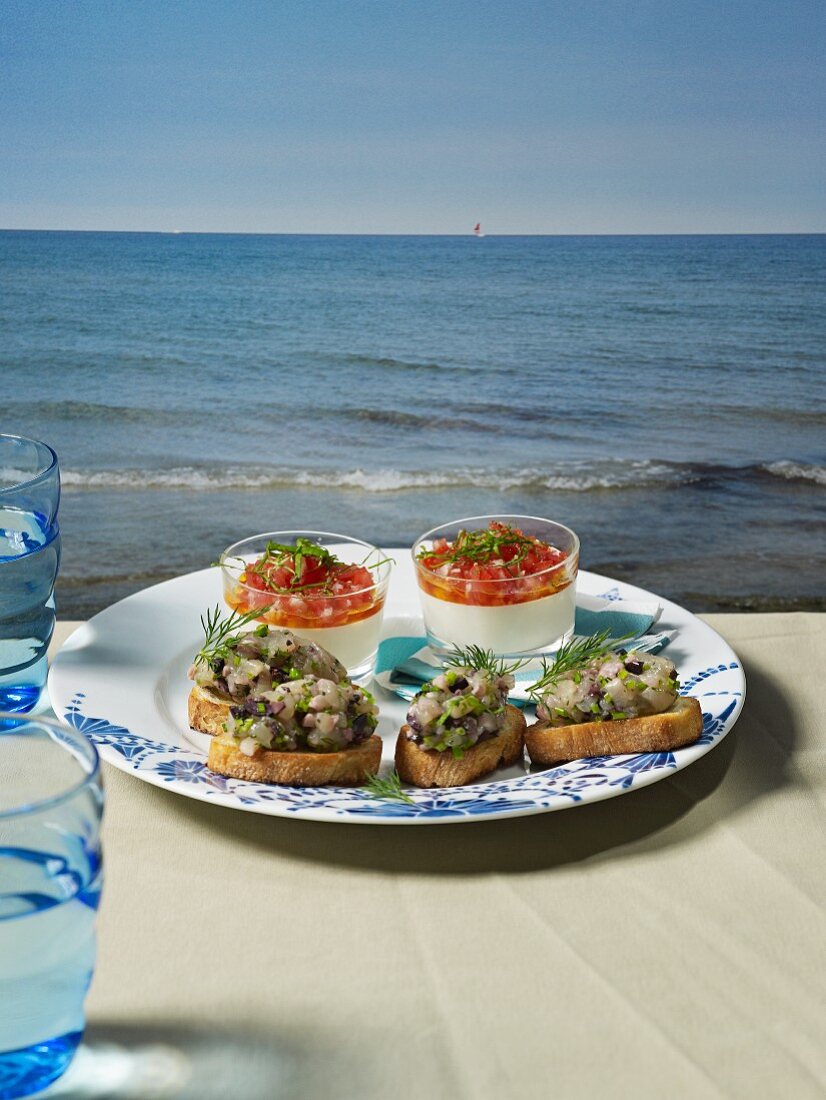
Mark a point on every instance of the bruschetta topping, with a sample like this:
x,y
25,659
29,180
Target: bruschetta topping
x,y
257,660
463,705
308,714
589,683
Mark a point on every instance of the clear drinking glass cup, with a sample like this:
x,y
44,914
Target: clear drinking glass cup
x,y
29,561
514,616
348,624
51,800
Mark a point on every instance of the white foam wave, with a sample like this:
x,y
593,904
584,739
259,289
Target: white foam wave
x,y
797,471
573,477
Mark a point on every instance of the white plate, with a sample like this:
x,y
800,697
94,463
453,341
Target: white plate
x,y
121,679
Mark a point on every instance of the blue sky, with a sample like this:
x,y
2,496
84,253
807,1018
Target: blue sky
x,y
416,117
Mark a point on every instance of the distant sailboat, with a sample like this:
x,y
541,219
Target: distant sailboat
x,y
477,230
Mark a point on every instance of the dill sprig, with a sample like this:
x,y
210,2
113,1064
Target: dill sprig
x,y
388,786
572,656
485,660
220,633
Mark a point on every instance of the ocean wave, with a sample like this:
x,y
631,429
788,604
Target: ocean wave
x,y
93,411
750,413
796,471
396,418
412,365
571,476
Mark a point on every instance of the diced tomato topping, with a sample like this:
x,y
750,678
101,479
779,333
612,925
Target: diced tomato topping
x,y
499,565
324,593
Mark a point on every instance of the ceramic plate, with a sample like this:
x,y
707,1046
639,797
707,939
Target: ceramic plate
x,y
121,679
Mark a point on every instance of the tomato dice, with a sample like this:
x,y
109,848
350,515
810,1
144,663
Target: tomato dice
x,y
498,565
307,589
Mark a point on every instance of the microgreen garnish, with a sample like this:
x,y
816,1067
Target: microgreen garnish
x,y
280,553
365,561
571,657
485,660
485,546
220,634
293,558
388,786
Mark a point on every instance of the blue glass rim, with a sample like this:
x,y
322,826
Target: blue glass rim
x,y
67,736
41,475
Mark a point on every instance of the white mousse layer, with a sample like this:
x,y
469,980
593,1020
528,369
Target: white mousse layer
x,y
352,643
510,628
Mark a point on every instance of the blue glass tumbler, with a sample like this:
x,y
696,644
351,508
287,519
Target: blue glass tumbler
x,y
29,560
51,800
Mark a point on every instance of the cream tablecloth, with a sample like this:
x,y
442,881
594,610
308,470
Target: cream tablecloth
x,y
669,943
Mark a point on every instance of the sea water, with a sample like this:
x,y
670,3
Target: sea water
x,y
664,396
29,559
47,951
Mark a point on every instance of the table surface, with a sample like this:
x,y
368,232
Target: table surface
x,y
669,942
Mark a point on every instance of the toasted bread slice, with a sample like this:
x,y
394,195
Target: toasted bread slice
x,y
208,710
346,768
678,726
429,768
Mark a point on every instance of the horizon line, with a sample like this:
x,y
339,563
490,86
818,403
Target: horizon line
x,y
466,233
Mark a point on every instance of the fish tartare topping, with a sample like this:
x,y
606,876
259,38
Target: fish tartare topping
x,y
493,566
614,685
306,585
307,714
255,661
461,706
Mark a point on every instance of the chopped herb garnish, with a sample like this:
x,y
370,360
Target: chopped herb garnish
x,y
280,553
293,559
365,561
485,546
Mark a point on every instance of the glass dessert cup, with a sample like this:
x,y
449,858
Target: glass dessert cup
x,y
514,616
348,625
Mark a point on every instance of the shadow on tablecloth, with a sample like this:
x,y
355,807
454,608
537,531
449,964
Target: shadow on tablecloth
x,y
749,764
